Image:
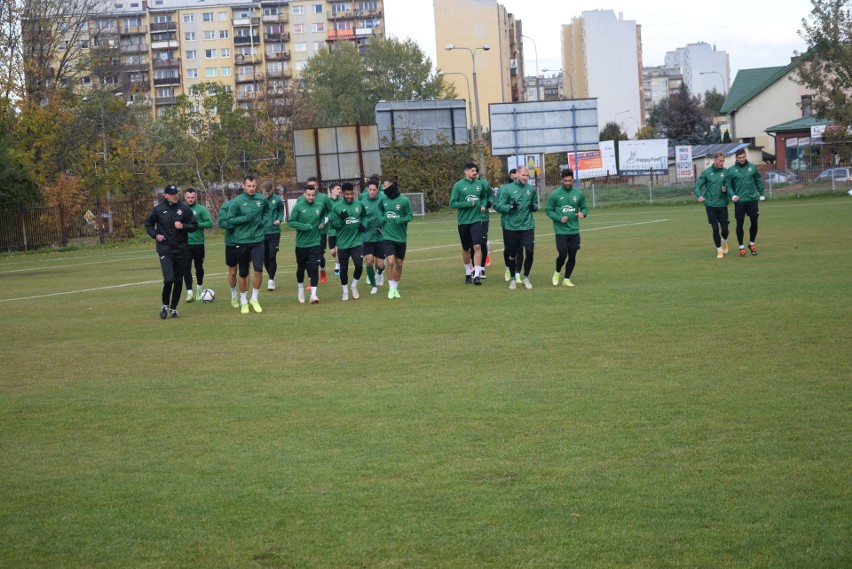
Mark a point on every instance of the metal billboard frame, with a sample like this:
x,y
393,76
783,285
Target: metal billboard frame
x,y
429,118
337,153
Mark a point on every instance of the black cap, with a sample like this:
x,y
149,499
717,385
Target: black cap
x,y
171,190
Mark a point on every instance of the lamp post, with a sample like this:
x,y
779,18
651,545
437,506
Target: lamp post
x,y
472,52
537,78
722,77
467,82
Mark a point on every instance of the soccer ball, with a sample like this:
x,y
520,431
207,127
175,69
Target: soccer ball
x,y
207,295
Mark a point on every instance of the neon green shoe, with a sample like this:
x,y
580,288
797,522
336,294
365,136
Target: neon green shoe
x,y
567,282
244,308
396,293
518,278
255,305
508,276
390,293
555,279
235,302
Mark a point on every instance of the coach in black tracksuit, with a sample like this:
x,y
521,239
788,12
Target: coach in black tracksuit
x,y
169,223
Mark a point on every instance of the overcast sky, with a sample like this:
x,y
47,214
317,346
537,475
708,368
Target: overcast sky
x,y
755,34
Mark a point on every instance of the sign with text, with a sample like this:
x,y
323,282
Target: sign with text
x,y
683,161
642,157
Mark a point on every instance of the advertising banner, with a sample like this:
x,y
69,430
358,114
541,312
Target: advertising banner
x,y
642,157
683,161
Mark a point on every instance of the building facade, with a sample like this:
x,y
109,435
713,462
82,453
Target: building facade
x,y
702,67
543,88
472,24
602,59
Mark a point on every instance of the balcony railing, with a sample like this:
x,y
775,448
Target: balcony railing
x,y
248,77
276,37
134,48
131,30
279,73
140,85
170,44
238,22
242,59
334,35
166,63
161,81
248,96
240,40
166,100
275,18
278,56
134,67
340,15
163,26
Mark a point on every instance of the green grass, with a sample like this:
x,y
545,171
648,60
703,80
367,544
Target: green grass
x,y
672,410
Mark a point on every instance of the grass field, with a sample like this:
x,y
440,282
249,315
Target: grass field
x,y
672,410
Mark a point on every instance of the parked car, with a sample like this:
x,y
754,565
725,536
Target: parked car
x,y
781,177
839,175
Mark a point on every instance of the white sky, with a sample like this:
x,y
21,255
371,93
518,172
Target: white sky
x,y
755,33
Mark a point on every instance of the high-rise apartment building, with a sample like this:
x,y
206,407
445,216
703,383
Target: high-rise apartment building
x,y
703,67
154,50
602,58
472,24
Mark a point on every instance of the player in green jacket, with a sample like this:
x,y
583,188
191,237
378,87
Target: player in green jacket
x,y
334,198
196,243
347,219
566,206
395,213
246,215
517,201
470,197
374,251
746,189
710,189
231,253
272,234
486,221
309,218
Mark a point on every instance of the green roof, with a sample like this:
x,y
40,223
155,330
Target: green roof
x,y
798,124
751,82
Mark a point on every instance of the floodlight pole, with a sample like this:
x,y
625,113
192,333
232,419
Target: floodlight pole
x,y
472,52
468,106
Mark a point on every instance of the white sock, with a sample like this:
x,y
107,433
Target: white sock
x,y
467,270
337,266
751,242
243,299
742,246
477,270
254,292
354,283
233,293
393,284
313,292
301,286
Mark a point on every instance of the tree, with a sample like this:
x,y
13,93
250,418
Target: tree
x,y
713,101
400,71
682,120
612,131
826,66
646,133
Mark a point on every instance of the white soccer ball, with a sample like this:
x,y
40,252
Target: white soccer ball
x,y
207,295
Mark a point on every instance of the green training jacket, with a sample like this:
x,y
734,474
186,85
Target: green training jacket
x,y
246,215
712,180
524,195
566,202
468,197
744,181
395,215
204,222
349,229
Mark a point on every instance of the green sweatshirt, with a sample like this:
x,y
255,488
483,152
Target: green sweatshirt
x,y
712,180
332,232
306,219
370,218
326,203
395,215
204,222
224,214
524,195
743,181
566,202
468,197
489,201
246,216
349,229
275,212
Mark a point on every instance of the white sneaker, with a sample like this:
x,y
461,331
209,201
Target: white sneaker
x,y
527,283
380,279
301,296
270,285
189,296
374,290
345,294
355,294
512,284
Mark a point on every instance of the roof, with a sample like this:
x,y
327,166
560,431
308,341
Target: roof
x,y
751,82
798,124
702,150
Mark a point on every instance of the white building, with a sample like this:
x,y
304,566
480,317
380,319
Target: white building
x,y
703,67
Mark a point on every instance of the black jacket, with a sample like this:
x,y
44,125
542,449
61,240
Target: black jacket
x,y
162,220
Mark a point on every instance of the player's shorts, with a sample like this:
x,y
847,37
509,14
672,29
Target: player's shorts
x,y
196,252
332,241
470,235
717,215
374,248
307,256
271,242
250,254
742,209
394,249
232,258
568,242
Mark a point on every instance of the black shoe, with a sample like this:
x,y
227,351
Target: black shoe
x,y
477,281
164,312
467,280
173,313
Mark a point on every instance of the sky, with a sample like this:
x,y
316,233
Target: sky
x,y
754,34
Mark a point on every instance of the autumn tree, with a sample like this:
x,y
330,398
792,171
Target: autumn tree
x,y
683,120
713,101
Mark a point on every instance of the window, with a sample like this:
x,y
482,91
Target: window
x,y
367,5
86,81
316,8
225,52
224,34
83,44
221,16
189,36
210,72
271,11
340,7
319,27
207,16
807,106
209,54
188,18
301,46
298,28
132,22
161,19
297,10
225,72
209,35
192,72
318,45
166,92
344,25
247,50
158,2
191,54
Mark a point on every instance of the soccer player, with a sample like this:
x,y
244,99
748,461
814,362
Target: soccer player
x,y
196,243
347,218
470,197
746,189
334,196
518,201
246,216
374,252
395,213
308,218
513,173
272,236
325,202
231,258
710,189
565,206
168,224
486,221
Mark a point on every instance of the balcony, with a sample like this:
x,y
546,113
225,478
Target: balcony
x,y
278,56
248,96
242,40
163,81
134,67
133,30
134,48
248,77
170,44
166,100
172,63
105,31
276,37
340,15
334,35
279,73
139,86
164,27
275,19
241,59
240,22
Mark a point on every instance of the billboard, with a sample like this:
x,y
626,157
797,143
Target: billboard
x,y
642,157
594,163
431,121
683,161
337,153
541,127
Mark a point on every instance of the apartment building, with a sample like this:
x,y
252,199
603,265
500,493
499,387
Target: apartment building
x,y
152,51
470,26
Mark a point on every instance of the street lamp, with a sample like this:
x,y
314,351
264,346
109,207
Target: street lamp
x,y
469,105
472,52
566,73
722,77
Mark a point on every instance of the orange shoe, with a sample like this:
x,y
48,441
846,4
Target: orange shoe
x,y
323,277
753,249
488,260
742,252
